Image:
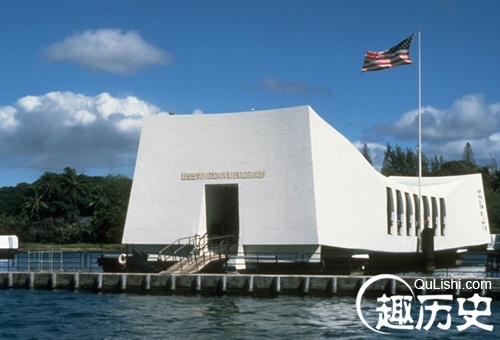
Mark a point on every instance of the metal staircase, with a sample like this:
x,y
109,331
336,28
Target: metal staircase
x,y
192,254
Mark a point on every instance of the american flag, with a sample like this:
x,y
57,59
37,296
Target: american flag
x,y
397,55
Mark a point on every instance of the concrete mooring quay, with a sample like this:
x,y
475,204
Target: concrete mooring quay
x,y
246,284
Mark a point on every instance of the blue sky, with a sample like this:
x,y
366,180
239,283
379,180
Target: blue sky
x,y
78,76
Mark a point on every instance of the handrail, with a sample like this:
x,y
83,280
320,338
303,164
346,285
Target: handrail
x,y
292,257
177,242
203,250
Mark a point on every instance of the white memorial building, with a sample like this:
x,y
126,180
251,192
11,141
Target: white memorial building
x,y
287,187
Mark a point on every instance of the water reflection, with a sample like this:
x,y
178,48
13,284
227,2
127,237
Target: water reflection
x,y
64,314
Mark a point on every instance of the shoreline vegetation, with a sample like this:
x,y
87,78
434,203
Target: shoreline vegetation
x,y
77,247
66,208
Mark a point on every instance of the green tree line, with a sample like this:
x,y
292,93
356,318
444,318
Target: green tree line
x,y
66,208
404,162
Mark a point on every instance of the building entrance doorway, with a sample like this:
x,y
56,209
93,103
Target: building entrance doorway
x,y
222,207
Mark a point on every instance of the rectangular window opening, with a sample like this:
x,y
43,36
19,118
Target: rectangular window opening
x,y
399,211
409,214
390,210
442,206
427,212
435,215
418,214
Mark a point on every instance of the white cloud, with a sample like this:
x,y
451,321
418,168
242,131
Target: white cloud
x,y
495,137
445,131
59,129
80,117
8,120
29,103
468,117
108,50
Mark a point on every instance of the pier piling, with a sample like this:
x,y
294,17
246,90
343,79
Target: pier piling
x,y
254,284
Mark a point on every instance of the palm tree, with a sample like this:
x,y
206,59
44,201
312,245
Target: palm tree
x,y
34,203
100,198
49,184
72,184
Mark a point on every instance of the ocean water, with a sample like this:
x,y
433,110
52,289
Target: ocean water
x,y
61,314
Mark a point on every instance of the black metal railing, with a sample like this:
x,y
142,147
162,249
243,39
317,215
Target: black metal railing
x,y
277,257
195,252
179,249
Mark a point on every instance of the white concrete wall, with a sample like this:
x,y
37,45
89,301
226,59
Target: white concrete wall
x,y
278,208
317,188
466,213
350,195
9,242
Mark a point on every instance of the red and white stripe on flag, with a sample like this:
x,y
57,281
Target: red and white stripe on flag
x,y
397,55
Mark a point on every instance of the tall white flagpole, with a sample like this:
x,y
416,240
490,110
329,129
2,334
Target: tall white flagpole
x,y
421,213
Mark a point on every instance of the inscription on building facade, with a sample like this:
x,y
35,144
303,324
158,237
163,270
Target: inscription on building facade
x,y
196,176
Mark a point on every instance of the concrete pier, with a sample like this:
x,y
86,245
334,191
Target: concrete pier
x,y
249,284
